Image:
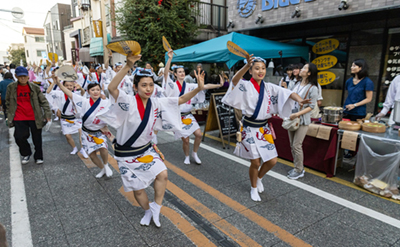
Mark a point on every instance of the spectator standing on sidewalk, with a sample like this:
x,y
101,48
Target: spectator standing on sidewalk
x,y
27,110
307,89
8,78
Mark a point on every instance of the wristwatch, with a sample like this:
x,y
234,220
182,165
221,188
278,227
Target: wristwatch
x,y
355,105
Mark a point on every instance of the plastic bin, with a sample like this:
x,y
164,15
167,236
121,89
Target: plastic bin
x,y
377,166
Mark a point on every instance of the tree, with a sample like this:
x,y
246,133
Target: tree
x,y
146,21
15,56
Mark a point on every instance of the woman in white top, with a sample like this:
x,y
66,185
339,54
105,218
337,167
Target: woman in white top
x,y
258,101
307,89
189,123
135,119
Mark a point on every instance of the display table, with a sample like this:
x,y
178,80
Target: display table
x,y
390,136
201,116
318,154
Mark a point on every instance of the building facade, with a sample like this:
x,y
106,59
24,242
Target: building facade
x,y
57,18
34,44
359,29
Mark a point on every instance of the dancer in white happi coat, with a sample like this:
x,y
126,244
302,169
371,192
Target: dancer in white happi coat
x,y
189,123
258,101
135,119
92,137
66,112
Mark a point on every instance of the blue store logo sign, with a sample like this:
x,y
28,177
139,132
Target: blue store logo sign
x,y
270,4
246,7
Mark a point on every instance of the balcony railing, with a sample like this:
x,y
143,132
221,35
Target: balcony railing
x,y
211,16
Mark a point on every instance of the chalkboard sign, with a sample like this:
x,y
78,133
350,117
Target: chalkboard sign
x,y
226,120
219,118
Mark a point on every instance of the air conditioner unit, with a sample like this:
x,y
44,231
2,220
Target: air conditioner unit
x,y
84,4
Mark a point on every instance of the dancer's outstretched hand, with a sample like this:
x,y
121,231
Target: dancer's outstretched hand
x,y
200,79
170,53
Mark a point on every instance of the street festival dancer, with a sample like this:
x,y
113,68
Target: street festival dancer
x,y
189,123
65,111
258,101
135,119
93,138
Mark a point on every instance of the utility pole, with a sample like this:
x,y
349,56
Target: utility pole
x,y
104,26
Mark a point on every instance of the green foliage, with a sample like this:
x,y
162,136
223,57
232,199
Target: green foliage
x,y
15,56
146,21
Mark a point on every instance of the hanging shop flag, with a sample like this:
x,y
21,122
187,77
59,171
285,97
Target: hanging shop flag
x,y
325,46
98,29
326,77
325,62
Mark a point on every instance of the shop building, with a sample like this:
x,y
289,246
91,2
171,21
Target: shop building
x,y
35,47
361,29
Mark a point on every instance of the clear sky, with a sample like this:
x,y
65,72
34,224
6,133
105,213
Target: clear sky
x,y
34,15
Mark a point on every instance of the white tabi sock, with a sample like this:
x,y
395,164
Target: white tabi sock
x,y
74,151
196,158
187,160
84,154
260,186
254,195
101,174
145,221
108,170
155,210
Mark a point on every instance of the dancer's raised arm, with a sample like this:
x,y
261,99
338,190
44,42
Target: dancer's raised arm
x,y
64,89
113,87
187,96
168,65
239,75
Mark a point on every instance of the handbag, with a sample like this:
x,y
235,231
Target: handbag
x,y
315,112
293,125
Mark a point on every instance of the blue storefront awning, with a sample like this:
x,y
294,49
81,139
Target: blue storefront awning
x,y
215,50
96,46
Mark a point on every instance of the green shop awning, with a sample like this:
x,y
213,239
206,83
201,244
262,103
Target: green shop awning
x,y
96,46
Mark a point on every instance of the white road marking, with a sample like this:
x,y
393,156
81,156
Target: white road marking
x,y
20,226
338,200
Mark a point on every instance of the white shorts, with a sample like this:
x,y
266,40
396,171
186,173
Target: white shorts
x,y
136,175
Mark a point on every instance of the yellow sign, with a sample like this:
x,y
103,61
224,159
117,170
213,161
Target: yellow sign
x,y
98,29
325,62
325,46
326,77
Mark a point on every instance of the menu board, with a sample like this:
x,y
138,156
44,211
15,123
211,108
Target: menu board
x,y
393,58
392,63
226,120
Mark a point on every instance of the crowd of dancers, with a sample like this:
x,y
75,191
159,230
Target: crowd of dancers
x,y
87,103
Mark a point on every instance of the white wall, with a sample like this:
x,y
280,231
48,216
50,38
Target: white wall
x,y
32,47
68,44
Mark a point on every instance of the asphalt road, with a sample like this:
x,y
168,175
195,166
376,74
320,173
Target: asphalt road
x,y
205,205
